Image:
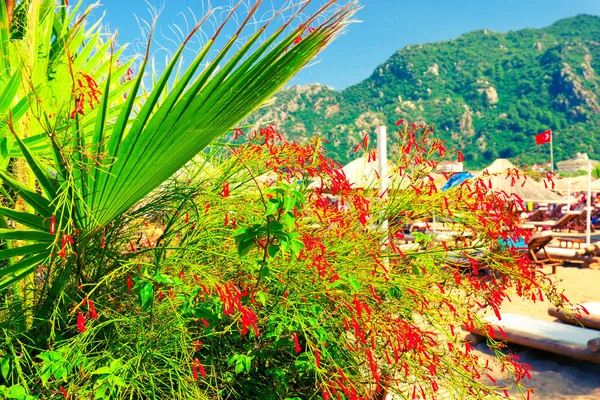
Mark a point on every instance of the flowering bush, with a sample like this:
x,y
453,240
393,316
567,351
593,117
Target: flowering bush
x,y
260,287
258,272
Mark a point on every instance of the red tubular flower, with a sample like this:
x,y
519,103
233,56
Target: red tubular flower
x,y
81,322
194,372
297,347
92,309
200,368
318,358
225,191
52,225
129,282
64,393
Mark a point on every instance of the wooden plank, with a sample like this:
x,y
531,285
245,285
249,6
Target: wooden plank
x,y
590,321
556,338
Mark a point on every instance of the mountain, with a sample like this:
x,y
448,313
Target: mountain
x,y
487,93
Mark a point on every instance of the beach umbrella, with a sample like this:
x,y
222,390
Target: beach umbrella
x,y
571,184
525,187
500,165
363,172
457,179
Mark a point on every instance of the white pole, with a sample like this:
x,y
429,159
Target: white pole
x,y
382,159
383,180
588,228
569,194
551,152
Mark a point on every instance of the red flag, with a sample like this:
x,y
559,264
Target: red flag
x,y
544,137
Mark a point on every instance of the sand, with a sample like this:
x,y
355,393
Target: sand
x,y
554,376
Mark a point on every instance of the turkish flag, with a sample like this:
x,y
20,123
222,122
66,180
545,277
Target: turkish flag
x,y
544,137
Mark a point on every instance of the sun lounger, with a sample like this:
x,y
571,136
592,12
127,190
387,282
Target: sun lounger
x,y
561,224
591,319
587,255
538,215
537,244
549,336
556,212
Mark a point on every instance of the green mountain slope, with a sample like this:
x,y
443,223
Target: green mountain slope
x,y
488,94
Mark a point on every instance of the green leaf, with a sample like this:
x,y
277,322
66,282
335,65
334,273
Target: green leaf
x,y
354,284
5,367
272,250
239,367
60,373
146,295
38,202
245,247
36,236
39,170
119,381
23,250
275,227
102,371
416,270
273,206
25,265
262,298
264,271
288,220
27,219
288,203
232,359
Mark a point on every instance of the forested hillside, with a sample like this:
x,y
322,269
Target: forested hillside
x,y
488,94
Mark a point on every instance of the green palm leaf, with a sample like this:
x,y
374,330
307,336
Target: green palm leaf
x,y
110,158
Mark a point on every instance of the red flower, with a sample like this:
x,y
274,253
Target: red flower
x,y
64,392
129,282
297,347
81,322
93,309
52,225
225,191
200,368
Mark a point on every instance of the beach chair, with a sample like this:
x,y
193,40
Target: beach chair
x,y
579,223
553,337
538,244
579,254
575,316
556,213
561,224
538,215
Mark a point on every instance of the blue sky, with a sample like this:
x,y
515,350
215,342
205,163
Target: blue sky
x,y
387,26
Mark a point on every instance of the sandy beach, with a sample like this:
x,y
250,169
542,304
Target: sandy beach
x,y
557,377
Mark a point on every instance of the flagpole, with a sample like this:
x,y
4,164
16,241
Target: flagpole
x,y
551,153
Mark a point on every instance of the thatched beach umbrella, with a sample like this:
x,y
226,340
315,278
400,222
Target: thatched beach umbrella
x,y
363,172
524,187
573,184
